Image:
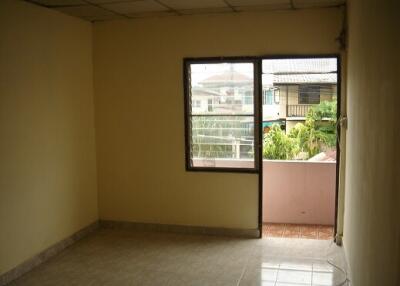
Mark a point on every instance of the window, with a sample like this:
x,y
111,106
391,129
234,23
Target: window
x,y
267,97
197,103
276,95
220,135
270,96
230,101
210,105
309,94
248,98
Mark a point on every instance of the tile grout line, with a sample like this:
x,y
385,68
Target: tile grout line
x,y
246,264
312,272
277,273
241,275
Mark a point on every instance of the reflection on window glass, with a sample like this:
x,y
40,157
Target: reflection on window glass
x,y
221,115
225,88
223,137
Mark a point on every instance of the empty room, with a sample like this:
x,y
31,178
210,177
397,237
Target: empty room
x,y
199,142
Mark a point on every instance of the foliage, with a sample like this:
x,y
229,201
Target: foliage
x,y
307,138
316,134
300,133
326,129
279,146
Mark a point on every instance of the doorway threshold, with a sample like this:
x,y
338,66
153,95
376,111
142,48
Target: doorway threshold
x,y
306,231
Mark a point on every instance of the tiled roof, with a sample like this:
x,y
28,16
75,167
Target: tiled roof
x,y
226,77
305,78
317,65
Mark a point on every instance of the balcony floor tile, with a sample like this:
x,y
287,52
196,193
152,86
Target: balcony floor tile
x,y
322,232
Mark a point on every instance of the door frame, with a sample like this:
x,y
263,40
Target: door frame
x,y
260,139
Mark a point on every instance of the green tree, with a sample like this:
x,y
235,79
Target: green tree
x,y
319,130
279,146
325,119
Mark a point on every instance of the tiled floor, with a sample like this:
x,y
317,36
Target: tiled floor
x,y
321,232
122,257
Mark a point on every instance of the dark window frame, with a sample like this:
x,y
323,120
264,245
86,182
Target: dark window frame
x,y
256,80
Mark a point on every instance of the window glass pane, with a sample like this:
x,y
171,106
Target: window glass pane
x,y
222,141
269,97
309,94
225,88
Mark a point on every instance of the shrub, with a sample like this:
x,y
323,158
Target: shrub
x,y
278,146
310,137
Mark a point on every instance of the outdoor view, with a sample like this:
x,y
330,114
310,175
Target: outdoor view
x,y
299,98
222,114
300,122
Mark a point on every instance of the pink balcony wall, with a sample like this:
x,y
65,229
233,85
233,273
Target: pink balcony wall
x,y
299,192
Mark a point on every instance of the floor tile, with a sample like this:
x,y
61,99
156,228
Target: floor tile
x,y
115,257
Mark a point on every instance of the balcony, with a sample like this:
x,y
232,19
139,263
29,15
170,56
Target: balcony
x,y
298,110
294,192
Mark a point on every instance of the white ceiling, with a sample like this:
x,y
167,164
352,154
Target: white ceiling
x,y
101,10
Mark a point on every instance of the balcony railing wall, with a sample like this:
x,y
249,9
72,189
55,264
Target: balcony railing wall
x,y
298,110
298,192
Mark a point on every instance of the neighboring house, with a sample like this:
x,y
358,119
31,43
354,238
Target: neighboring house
x,y
290,90
229,92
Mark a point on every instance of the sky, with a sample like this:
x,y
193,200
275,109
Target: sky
x,y
202,71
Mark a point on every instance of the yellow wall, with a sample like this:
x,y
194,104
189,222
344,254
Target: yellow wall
x,y
139,110
47,148
293,95
372,205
